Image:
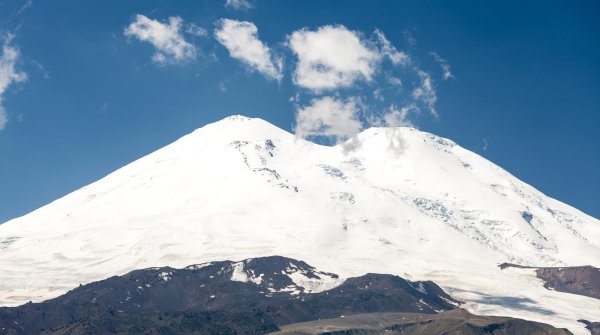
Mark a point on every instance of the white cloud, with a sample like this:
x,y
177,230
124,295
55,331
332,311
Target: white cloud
x,y
329,116
398,117
388,50
241,39
446,73
331,57
8,74
171,46
425,92
194,30
395,81
239,4
393,116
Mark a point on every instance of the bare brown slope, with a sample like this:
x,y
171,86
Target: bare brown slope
x,y
582,280
452,322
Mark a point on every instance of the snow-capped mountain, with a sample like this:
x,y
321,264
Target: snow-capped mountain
x,y
390,200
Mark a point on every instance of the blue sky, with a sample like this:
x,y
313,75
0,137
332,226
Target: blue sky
x,y
87,87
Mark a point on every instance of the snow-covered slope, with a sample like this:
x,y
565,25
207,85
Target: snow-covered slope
x,y
390,200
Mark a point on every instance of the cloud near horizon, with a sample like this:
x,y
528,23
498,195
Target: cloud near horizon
x,y
9,75
167,38
241,40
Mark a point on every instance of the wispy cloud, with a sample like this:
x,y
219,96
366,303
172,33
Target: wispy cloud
x,y
239,4
9,75
390,51
446,73
25,7
167,39
395,81
425,92
394,116
331,57
329,116
241,39
40,68
409,38
194,30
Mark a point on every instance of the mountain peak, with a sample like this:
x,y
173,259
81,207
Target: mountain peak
x,y
237,118
390,200
239,127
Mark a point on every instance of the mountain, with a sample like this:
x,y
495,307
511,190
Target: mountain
x,y
254,296
389,200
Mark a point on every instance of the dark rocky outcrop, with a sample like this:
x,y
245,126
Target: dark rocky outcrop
x,y
582,280
593,327
255,296
203,299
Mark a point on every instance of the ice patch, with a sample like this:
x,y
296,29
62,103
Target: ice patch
x,y
314,285
239,274
198,266
166,276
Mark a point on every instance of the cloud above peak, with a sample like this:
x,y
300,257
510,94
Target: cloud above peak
x,y
344,80
9,75
330,117
166,37
332,60
331,57
241,40
425,92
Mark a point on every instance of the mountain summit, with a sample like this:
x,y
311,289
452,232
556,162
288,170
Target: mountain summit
x,y
389,200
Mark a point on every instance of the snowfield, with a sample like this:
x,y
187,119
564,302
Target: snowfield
x,y
390,200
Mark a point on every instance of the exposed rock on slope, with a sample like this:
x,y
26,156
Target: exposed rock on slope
x,y
593,327
582,280
248,297
255,296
